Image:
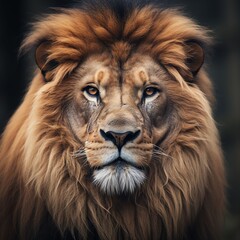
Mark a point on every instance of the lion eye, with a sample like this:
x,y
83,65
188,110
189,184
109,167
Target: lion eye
x,y
91,91
150,91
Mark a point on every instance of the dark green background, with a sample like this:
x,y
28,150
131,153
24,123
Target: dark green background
x,y
222,16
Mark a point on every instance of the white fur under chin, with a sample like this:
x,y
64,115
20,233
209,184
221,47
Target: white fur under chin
x,y
117,180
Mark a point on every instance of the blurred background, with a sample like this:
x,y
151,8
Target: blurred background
x,y
221,16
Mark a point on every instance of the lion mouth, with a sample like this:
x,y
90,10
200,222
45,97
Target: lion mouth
x,y
119,163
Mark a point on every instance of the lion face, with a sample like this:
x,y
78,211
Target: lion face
x,y
122,109
117,100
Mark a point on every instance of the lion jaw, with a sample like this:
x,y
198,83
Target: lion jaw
x,y
118,178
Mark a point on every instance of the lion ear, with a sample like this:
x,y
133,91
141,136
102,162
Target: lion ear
x,y
195,56
41,58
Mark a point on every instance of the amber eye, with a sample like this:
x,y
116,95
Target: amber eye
x,y
150,91
92,91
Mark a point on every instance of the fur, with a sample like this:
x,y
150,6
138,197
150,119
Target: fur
x,y
42,182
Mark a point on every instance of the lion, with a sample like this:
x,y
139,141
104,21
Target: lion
x,y
115,138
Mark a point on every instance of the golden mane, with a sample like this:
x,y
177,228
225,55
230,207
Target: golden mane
x,y
40,180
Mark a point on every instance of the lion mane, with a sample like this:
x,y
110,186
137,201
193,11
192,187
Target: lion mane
x,y
46,185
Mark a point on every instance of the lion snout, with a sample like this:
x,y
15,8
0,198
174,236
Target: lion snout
x,y
119,138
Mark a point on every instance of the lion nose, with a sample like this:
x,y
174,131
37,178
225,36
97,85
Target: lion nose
x,y
118,138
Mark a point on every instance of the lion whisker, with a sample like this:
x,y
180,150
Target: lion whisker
x,y
158,151
79,153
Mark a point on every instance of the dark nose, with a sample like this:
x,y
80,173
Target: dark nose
x,y
119,139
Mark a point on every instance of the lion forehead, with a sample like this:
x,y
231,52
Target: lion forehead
x,y
136,71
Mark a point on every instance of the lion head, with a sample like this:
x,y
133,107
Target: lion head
x,y
115,138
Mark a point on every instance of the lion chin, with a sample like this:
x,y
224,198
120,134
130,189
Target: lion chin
x,y
118,177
